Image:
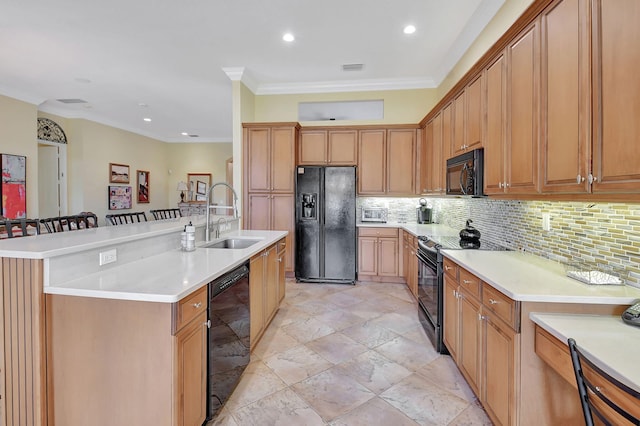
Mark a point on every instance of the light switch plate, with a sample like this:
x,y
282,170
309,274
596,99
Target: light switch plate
x,y
546,221
108,256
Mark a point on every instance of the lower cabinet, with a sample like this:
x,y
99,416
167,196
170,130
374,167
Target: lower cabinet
x,y
191,359
378,254
482,333
410,262
266,288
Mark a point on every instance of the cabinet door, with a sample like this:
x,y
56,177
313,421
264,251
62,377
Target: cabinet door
x,y
565,97
401,148
342,148
494,145
282,256
426,159
413,270
388,257
283,219
457,140
470,344
259,211
474,118
523,90
256,297
451,315
499,390
191,343
371,161
271,284
258,158
313,147
405,257
437,161
283,159
616,157
367,256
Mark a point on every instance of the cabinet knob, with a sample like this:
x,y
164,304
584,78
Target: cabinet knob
x,y
467,281
480,317
197,305
207,324
493,301
579,179
499,184
592,178
447,268
506,185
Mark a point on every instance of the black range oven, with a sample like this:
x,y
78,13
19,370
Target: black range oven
x,y
431,283
430,291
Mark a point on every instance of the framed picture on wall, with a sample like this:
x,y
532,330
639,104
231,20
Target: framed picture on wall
x,y
119,197
118,173
201,188
143,186
13,188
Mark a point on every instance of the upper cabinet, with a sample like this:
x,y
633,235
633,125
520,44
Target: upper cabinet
x,y
523,112
616,109
387,161
432,159
270,157
328,147
468,117
495,148
565,97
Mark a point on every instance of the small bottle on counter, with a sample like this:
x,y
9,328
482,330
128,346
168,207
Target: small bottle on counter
x,y
190,232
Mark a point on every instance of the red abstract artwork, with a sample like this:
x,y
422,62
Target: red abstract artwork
x,y
14,186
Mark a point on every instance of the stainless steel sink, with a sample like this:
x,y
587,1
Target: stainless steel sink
x,y
232,243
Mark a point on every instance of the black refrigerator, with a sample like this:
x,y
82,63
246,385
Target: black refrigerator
x,y
326,224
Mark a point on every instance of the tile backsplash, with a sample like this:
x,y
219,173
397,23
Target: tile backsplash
x,y
600,233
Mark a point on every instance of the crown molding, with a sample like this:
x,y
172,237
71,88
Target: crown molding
x,y
346,86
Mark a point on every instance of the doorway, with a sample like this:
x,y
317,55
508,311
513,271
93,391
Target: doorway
x,y
52,180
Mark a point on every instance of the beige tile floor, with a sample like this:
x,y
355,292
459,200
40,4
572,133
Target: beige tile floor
x,y
349,355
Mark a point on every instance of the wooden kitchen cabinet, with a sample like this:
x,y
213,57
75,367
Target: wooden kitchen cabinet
x,y
565,97
328,147
386,161
495,147
616,130
282,257
372,158
409,262
432,159
266,289
482,334
378,254
274,212
523,64
192,360
468,117
270,156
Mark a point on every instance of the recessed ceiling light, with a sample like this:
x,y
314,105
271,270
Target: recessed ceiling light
x,y
147,119
288,37
142,104
409,29
184,134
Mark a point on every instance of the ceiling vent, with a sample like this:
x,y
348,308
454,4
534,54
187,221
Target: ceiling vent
x,y
344,110
72,101
352,67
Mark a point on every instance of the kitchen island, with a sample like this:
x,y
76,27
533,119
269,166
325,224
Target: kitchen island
x,y
86,343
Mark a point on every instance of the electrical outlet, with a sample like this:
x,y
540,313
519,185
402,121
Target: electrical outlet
x,y
108,256
546,221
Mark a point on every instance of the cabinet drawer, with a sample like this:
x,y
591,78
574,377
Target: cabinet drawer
x,y
504,307
189,307
470,282
282,245
450,268
378,232
556,354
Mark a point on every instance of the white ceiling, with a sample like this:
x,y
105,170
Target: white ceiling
x,y
170,55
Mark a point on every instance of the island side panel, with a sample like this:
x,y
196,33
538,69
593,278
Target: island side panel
x,y
110,362
545,397
22,383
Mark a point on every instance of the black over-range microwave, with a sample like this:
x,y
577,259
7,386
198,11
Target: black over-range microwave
x,y
465,173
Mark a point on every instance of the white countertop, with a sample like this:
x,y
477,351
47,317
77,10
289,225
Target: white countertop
x,y
60,243
530,278
166,277
613,344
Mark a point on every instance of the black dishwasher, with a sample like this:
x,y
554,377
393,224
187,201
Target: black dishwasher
x,y
228,335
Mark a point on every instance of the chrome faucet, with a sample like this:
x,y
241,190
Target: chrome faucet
x,y
218,226
207,231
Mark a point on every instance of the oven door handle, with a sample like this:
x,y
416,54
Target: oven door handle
x,y
426,261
